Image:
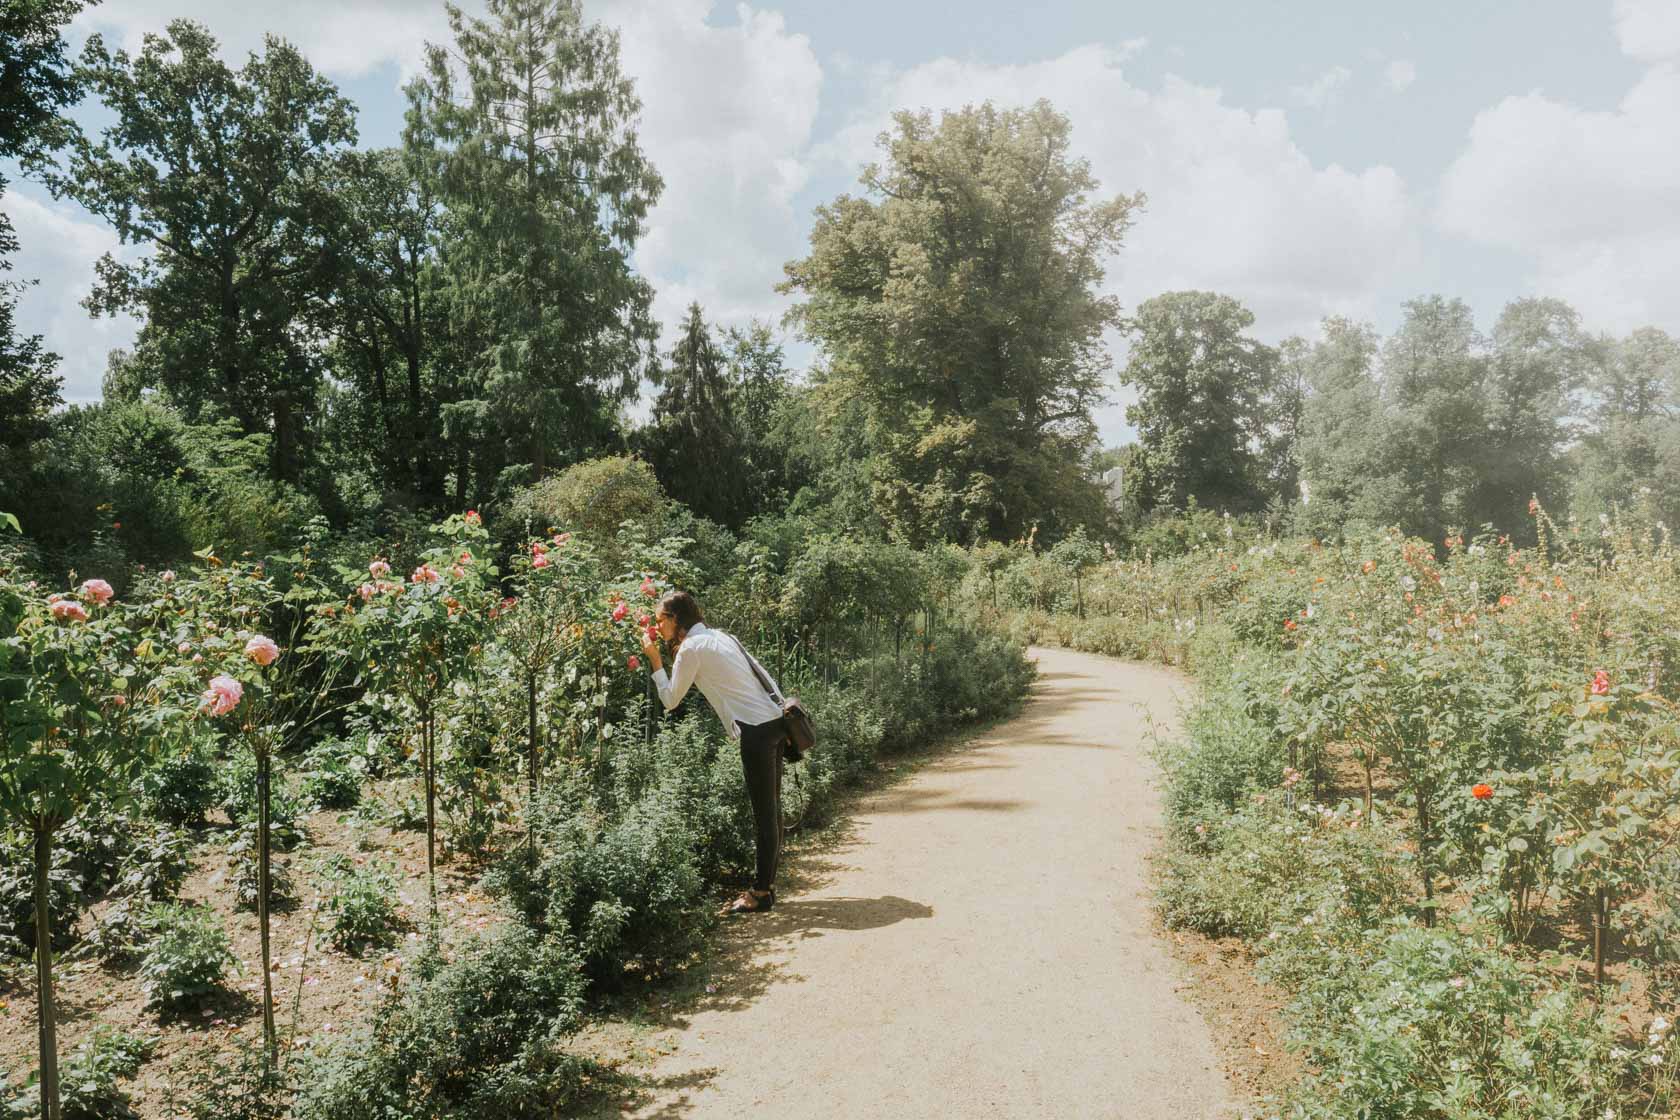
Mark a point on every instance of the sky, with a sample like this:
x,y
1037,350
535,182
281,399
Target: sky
x,y
1309,157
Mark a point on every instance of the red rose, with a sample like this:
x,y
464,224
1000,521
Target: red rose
x,y
1601,683
1481,791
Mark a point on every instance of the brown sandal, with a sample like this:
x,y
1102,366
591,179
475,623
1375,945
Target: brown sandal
x,y
747,902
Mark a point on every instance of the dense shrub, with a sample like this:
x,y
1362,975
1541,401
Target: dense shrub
x,y
89,1081
179,787
626,891
185,958
332,775
477,1036
363,906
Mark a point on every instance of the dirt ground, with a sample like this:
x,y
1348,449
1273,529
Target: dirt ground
x,y
974,941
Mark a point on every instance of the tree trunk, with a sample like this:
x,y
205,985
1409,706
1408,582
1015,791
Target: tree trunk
x,y
1601,920
47,1011
270,1038
428,763
1423,862
531,777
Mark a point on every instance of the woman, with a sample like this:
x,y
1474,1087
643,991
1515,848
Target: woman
x,y
723,670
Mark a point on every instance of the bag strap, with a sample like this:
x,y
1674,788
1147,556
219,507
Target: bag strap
x,y
757,672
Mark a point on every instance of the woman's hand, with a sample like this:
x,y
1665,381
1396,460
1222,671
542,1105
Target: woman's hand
x,y
650,650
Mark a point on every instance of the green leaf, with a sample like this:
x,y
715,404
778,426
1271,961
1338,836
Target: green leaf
x,y
11,520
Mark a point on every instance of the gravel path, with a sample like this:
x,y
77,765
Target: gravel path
x,y
977,946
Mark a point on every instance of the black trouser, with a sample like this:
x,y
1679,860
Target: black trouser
x,y
761,762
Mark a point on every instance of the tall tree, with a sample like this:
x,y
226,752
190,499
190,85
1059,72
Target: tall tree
x,y
760,389
532,128
225,174
1202,384
1434,387
1538,363
389,317
958,306
1632,436
36,85
696,447
1341,444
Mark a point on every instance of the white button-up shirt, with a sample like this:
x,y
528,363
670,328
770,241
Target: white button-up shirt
x,y
714,661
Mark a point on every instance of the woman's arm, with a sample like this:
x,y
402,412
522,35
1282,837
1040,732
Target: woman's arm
x,y
684,669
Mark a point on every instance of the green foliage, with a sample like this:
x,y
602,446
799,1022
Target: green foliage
x,y
90,1089
528,125
1223,757
477,1036
1203,400
1442,1027
242,873
958,311
363,905
332,775
185,959
626,890
179,786
211,1084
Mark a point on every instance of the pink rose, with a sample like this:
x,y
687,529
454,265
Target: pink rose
x,y
379,569
119,700
68,610
465,557
222,696
649,589
197,657
538,548
262,650
540,560
635,662
97,590
642,621
184,647
425,573
367,591
560,539
471,517
167,575
458,572
620,611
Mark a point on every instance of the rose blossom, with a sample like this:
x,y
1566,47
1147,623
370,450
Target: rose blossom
x,y
471,517
222,696
69,610
367,591
458,572
635,662
1481,791
167,575
97,590
379,569
184,647
540,560
262,650
425,573
649,589
620,611
1601,683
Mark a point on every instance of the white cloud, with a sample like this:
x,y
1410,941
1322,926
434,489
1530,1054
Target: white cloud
x,y
343,38
1234,205
1588,196
58,249
727,113
1323,90
1400,74
1648,30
